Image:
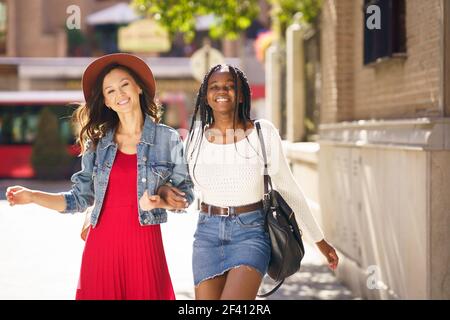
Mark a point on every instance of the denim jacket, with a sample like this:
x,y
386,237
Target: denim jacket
x,y
160,160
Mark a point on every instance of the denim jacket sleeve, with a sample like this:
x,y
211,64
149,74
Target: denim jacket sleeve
x,y
180,176
81,196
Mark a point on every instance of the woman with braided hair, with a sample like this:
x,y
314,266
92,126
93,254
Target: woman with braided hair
x,y
231,249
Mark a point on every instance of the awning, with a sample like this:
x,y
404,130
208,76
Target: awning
x,y
120,13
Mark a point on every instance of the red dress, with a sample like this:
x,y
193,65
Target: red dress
x,y
121,258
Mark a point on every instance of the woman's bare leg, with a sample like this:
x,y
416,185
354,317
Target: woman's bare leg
x,y
242,283
210,289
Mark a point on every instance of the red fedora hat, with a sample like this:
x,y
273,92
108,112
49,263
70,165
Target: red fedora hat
x,y
139,66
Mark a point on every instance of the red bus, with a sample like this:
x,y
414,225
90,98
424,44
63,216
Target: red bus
x,y
19,117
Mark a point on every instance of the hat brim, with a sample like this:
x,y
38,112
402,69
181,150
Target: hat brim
x,y
139,66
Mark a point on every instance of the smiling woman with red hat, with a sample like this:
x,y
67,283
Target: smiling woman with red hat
x,y
132,170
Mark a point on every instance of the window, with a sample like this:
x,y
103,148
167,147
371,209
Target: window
x,y
389,39
19,124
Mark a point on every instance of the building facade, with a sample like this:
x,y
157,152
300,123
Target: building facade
x,y
378,175
38,28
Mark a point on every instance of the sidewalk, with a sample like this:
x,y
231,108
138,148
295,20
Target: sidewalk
x,y
41,255
314,281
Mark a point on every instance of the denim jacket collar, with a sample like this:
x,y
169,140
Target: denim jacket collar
x,y
148,134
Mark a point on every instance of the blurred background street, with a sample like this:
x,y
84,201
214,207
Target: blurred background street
x,y
358,89
41,255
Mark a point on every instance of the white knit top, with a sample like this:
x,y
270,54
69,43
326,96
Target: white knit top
x,y
232,174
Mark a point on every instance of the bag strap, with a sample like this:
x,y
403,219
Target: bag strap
x,y
267,179
277,286
267,198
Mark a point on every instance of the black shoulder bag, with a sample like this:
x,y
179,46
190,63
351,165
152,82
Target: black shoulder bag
x,y
285,235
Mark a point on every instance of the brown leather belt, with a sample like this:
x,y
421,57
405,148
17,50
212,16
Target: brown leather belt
x,y
230,211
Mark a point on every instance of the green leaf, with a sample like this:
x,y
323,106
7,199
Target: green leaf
x,y
179,15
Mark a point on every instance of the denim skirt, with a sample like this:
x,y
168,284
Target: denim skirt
x,y
222,243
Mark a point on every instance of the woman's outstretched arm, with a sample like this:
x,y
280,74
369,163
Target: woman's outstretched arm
x,y
78,199
286,185
21,195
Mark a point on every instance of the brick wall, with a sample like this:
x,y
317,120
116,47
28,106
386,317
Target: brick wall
x,y
328,58
28,31
393,89
39,23
337,56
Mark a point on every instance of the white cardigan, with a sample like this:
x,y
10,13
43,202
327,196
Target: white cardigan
x,y
232,174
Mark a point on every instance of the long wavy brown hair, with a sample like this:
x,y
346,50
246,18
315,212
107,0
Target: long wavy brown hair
x,y
95,119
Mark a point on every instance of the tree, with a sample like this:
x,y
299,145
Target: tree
x,y
231,16
284,11
76,41
49,157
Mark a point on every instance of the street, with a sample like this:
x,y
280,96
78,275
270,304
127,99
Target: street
x,y
41,252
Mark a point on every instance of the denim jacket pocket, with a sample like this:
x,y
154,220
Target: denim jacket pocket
x,y
162,172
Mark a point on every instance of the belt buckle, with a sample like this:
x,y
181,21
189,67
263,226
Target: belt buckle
x,y
228,212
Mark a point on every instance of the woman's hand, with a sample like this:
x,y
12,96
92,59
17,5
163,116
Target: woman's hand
x,y
149,202
168,197
18,195
329,253
173,197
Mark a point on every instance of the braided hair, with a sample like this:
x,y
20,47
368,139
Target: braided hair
x,y
203,114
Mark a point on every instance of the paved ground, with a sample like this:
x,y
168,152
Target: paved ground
x,y
41,251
